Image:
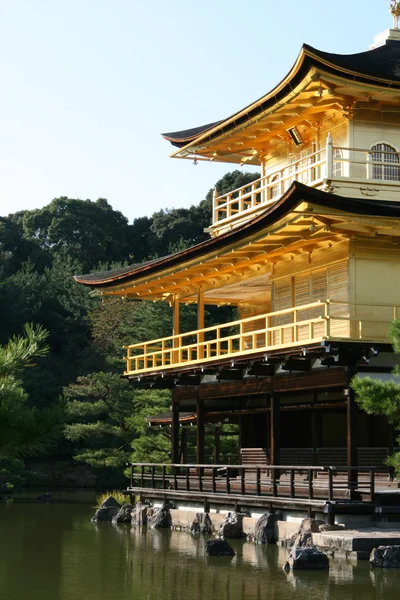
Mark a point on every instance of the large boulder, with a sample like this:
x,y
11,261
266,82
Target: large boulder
x,y
124,515
202,524
306,558
265,531
218,547
232,527
385,557
161,517
107,511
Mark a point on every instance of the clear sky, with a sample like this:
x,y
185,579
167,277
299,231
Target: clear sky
x,y
87,86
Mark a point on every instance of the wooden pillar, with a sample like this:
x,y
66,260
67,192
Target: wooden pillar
x,y
200,431
183,448
316,430
275,434
217,445
352,424
200,321
175,433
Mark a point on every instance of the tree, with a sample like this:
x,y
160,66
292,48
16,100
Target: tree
x,y
90,232
24,431
106,417
383,397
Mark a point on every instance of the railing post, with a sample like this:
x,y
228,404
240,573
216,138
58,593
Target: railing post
x,y
242,481
258,486
163,477
372,484
175,478
215,212
274,484
228,485
310,484
142,476
329,157
292,489
370,166
330,484
213,486
187,479
132,479
327,320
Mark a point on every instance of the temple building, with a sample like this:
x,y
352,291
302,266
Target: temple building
x,y
309,254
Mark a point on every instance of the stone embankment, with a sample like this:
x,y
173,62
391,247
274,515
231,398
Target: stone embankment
x,y
310,544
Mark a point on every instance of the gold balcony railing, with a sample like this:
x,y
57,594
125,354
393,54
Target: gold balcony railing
x,y
357,166
283,329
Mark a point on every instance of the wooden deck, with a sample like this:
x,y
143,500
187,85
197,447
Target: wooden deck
x,y
312,488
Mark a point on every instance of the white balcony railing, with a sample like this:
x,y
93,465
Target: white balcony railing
x,y
359,167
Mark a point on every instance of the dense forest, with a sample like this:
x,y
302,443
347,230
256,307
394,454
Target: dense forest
x,y
66,415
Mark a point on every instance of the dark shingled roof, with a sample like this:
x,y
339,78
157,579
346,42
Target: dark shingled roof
x,y
179,138
297,192
382,63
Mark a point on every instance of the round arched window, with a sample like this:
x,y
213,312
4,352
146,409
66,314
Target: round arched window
x,y
385,162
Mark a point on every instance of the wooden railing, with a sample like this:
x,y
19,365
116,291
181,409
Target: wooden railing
x,y
272,481
297,326
331,162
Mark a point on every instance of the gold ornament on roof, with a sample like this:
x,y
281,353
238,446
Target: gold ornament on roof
x,y
394,9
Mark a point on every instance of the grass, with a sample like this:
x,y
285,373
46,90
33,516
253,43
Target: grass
x,y
116,494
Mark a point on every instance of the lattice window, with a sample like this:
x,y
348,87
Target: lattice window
x,y
275,190
385,162
337,170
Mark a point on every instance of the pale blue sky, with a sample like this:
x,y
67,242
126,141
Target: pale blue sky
x,y
89,85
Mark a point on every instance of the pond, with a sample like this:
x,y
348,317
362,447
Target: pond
x,y
54,552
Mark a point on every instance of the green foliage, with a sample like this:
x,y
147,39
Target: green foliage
x,y
106,417
40,252
382,397
116,494
24,431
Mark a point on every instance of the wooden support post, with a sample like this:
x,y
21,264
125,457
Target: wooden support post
x,y
352,424
217,438
200,322
200,431
183,448
316,430
175,433
275,432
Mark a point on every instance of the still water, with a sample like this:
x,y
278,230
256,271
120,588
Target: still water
x,y
54,552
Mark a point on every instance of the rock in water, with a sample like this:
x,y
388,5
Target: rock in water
x,y
124,515
306,558
161,518
107,511
265,530
110,502
232,527
385,557
45,498
201,524
218,547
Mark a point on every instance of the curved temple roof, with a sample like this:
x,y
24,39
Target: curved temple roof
x,y
296,194
380,66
